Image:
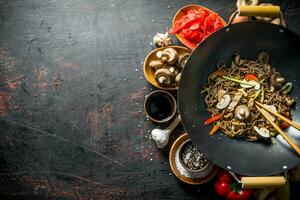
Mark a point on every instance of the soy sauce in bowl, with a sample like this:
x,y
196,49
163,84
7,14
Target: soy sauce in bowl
x,y
160,106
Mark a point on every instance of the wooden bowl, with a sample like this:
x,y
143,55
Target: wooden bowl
x,y
149,71
181,12
209,170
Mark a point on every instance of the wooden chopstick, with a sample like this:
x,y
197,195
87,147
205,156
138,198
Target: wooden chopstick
x,y
297,126
283,134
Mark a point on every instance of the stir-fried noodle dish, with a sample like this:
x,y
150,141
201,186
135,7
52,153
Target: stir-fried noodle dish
x,y
232,91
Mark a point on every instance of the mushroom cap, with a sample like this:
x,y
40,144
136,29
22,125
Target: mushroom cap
x,y
173,70
275,80
182,60
242,112
163,77
177,78
225,100
169,55
156,64
262,132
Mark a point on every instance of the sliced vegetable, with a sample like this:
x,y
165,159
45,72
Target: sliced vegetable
x,y
250,77
239,81
224,102
197,24
286,88
253,83
262,95
262,132
271,107
255,95
214,130
212,119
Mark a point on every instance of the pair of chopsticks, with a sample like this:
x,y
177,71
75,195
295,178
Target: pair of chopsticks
x,y
280,131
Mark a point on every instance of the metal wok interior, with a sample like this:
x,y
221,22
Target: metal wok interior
x,y
247,39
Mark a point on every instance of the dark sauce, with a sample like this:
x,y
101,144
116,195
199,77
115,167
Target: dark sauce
x,y
159,106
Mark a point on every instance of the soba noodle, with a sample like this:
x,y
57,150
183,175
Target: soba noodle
x,y
267,94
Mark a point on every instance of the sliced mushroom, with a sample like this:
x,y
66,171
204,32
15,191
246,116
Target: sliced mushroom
x,y
177,78
242,112
168,55
273,108
221,93
156,64
262,132
236,99
163,77
253,83
277,80
225,100
182,60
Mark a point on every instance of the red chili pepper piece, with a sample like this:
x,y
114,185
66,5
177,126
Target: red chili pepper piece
x,y
212,119
250,77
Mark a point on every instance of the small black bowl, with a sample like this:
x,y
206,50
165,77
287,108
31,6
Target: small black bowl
x,y
160,106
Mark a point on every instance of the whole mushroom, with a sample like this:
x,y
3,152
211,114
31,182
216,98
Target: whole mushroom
x,y
277,80
173,70
177,78
242,112
182,60
163,76
168,55
156,64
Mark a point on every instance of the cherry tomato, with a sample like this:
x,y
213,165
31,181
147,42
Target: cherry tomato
x,y
222,188
224,176
243,194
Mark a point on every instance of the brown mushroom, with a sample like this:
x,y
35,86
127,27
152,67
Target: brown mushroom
x,y
236,99
168,55
163,76
237,60
220,94
182,60
173,70
177,78
156,64
242,112
276,80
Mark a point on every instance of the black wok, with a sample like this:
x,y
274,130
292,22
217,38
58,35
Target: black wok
x,y
247,39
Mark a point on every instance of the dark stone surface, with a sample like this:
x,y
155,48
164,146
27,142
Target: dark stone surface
x,y
71,99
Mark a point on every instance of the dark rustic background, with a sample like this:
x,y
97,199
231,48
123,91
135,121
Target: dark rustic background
x,y
71,99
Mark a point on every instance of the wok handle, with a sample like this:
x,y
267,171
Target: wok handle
x,y
263,182
262,11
